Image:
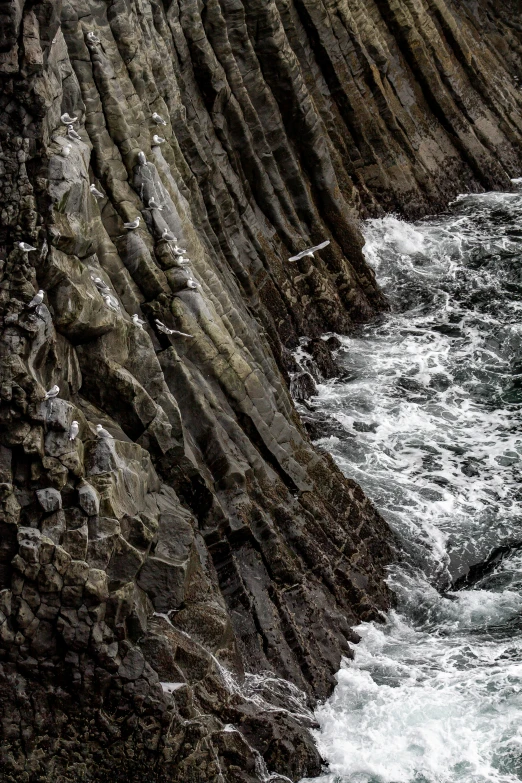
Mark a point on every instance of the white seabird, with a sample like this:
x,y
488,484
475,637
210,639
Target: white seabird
x,y
310,251
111,302
183,261
74,430
142,158
95,192
179,251
101,432
72,134
67,119
137,320
168,236
192,284
25,247
100,284
37,299
162,328
66,150
158,139
133,224
152,204
158,119
54,392
93,38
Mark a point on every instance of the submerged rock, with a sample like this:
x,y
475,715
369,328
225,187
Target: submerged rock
x,y
190,536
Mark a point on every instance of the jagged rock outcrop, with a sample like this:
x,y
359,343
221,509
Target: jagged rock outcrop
x,y
150,579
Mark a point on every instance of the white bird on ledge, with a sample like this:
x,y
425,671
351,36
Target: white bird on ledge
x,y
137,320
37,299
52,393
158,119
101,432
134,224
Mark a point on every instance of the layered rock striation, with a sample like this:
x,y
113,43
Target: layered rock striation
x,y
176,592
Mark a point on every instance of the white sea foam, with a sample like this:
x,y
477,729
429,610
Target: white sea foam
x,y
429,422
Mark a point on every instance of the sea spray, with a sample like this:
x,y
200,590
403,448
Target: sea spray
x,y
428,418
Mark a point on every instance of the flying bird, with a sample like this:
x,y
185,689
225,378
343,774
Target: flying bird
x,y
54,392
111,302
95,192
158,119
72,133
142,158
152,204
309,251
137,320
162,328
25,247
168,236
93,38
101,432
37,300
67,119
158,139
134,224
74,430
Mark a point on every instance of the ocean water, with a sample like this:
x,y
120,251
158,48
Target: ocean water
x,y
427,417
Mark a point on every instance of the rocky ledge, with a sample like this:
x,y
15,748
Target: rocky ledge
x,y
180,569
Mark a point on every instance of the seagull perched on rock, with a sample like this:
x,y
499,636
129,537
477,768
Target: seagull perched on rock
x,y
67,119
52,393
66,151
153,205
72,134
25,247
37,299
95,192
192,284
111,302
101,432
137,320
158,139
142,158
310,251
158,119
179,251
134,224
162,328
183,261
101,285
168,236
93,38
74,430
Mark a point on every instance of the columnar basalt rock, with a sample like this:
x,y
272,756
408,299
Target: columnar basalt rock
x,y
152,572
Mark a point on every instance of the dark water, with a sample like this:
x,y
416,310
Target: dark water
x,y
429,420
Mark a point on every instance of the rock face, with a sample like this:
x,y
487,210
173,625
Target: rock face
x,y
153,574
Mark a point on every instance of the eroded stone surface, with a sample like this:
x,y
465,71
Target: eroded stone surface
x,y
143,572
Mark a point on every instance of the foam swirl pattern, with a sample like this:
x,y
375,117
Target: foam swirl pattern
x,y
427,418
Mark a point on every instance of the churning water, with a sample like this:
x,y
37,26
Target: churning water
x,y
428,419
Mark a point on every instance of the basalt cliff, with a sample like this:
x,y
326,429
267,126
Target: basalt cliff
x,y
175,592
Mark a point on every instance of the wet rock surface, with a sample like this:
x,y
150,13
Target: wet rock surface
x,y
149,570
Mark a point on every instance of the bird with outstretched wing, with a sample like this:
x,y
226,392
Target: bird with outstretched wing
x,y
310,251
